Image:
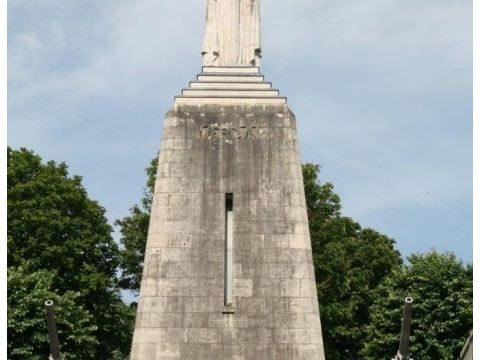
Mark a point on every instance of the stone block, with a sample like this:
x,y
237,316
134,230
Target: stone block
x,y
167,352
195,320
251,152
203,335
266,287
149,287
290,287
301,305
277,240
169,320
243,288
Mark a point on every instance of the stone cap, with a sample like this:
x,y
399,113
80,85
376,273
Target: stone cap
x,y
226,85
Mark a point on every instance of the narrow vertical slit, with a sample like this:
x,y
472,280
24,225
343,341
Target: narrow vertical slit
x,y
228,250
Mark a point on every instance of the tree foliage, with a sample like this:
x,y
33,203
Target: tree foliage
x,y
442,289
350,263
27,336
134,230
54,226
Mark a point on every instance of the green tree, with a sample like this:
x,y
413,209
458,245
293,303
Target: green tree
x,y
442,289
350,263
27,334
134,230
53,225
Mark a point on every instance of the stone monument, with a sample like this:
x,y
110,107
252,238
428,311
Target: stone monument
x,y
232,34
228,271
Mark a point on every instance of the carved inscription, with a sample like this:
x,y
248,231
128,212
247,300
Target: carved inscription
x,y
241,132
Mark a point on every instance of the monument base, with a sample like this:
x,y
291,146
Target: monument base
x,y
228,271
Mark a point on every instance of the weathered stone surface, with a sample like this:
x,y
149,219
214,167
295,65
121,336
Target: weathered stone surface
x,y
232,33
250,151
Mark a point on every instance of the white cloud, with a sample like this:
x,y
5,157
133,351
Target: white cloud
x,y
382,94
381,88
387,31
137,40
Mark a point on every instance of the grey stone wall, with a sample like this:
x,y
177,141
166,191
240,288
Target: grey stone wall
x,y
467,351
207,151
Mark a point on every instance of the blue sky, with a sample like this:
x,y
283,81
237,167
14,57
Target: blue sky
x,y
381,90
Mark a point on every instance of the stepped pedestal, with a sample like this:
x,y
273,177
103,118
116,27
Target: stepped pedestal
x,y
228,271
227,85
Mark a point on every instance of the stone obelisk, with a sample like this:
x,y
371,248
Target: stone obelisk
x,y
228,271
